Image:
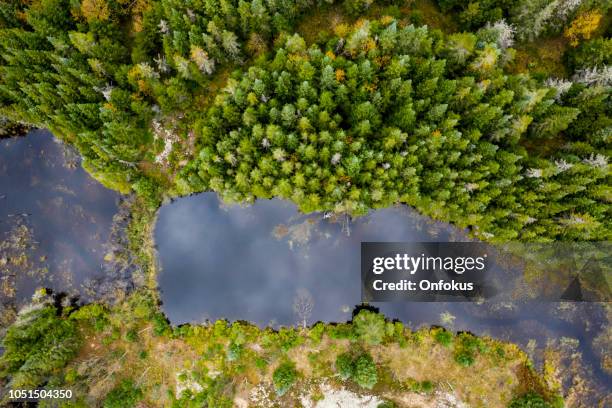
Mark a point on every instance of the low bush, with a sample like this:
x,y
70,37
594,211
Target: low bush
x,y
531,400
365,373
124,395
369,327
284,377
344,366
443,337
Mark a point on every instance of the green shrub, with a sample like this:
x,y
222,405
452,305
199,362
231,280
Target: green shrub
x,y
95,313
131,335
71,375
261,363
427,386
341,331
444,337
124,395
531,400
466,348
288,338
357,7
148,190
160,324
464,358
345,366
284,377
361,369
393,11
365,371
416,17
234,352
369,326
475,14
316,332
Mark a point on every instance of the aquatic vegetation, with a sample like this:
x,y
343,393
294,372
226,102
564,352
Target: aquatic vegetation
x,y
18,258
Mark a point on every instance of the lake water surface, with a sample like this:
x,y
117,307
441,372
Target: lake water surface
x,y
55,220
250,262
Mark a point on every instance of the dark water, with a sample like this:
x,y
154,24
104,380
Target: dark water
x,y
253,262
55,220
250,262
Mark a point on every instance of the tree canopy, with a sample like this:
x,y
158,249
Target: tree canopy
x,y
386,113
374,114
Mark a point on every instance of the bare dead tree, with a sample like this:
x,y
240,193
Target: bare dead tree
x,y
302,305
346,224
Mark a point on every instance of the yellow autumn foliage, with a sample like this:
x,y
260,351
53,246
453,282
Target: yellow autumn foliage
x,y
386,20
342,30
138,7
583,26
95,10
369,45
340,75
331,55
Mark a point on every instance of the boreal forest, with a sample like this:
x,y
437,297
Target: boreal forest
x,y
172,97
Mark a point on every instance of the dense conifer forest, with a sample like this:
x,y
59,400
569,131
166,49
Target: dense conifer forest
x,y
166,98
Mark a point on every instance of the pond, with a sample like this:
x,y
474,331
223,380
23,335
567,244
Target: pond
x,y
258,262
56,221
250,262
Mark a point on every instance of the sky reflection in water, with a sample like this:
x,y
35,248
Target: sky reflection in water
x,y
64,214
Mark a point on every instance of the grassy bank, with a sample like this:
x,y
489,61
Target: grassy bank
x,y
128,356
